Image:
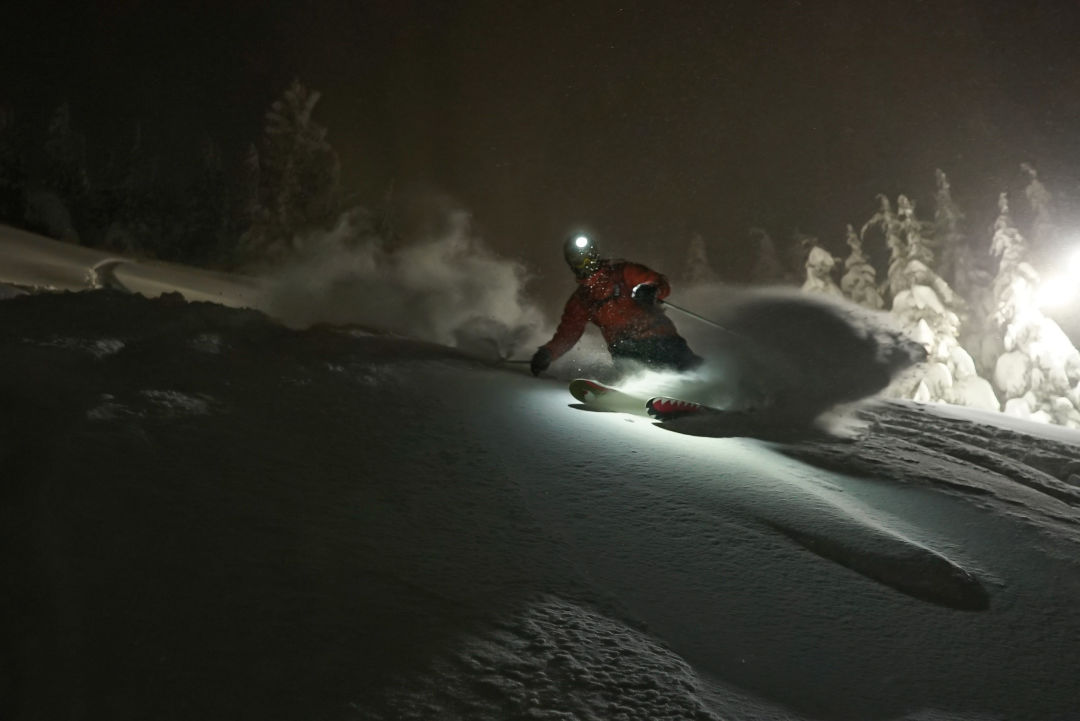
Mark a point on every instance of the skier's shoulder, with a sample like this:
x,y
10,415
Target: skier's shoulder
x,y
633,272
615,270
621,265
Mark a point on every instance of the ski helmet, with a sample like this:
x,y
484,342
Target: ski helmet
x,y
581,254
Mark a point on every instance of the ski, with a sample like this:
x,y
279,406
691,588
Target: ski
x,y
599,397
663,408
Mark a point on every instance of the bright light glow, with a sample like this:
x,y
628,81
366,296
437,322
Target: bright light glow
x,y
581,241
1056,292
1073,264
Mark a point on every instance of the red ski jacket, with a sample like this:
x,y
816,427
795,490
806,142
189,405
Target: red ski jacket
x,y
605,298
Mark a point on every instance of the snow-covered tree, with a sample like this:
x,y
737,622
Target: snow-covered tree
x,y
918,245
819,268
1040,199
910,255
888,223
298,178
767,267
965,272
697,269
859,282
1011,250
948,219
798,251
1039,372
926,307
300,159
1044,231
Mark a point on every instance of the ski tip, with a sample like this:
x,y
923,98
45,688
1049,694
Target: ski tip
x,y
581,387
666,409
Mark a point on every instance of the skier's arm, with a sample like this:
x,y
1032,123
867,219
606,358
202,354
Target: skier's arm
x,y
637,275
574,318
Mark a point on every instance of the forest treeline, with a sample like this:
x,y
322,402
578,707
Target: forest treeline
x,y
976,301
226,215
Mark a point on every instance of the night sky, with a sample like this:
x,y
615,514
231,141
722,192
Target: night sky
x,y
646,122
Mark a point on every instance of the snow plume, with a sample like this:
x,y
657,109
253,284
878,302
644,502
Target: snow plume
x,y
790,354
448,289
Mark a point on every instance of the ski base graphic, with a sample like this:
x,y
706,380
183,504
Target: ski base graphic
x,y
666,409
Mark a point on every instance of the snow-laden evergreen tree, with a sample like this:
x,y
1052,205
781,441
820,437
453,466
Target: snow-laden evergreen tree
x,y
1044,232
819,269
926,307
918,245
306,166
298,179
798,252
948,219
697,269
767,266
965,272
919,268
1038,375
859,283
888,223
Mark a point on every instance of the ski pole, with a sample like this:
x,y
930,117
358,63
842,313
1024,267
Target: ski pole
x,y
702,318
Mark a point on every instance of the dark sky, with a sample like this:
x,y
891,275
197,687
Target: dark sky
x,y
646,121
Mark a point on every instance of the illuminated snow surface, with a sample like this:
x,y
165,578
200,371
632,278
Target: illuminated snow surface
x,y
208,515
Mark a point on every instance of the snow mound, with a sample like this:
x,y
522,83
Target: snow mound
x,y
554,661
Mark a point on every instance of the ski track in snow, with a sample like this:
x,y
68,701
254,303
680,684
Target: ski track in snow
x,y
913,445
747,484
323,525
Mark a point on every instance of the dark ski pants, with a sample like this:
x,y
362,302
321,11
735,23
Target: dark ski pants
x,y
668,352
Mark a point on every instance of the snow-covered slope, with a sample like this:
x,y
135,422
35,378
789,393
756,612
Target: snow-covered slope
x,y
28,260
208,515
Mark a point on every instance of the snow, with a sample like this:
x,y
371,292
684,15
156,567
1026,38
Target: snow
x,y
31,261
1037,369
211,514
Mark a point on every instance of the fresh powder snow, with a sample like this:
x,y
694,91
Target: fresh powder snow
x,y
211,513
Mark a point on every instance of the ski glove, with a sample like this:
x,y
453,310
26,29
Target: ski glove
x,y
540,360
644,293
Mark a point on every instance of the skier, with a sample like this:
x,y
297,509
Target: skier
x,y
623,299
